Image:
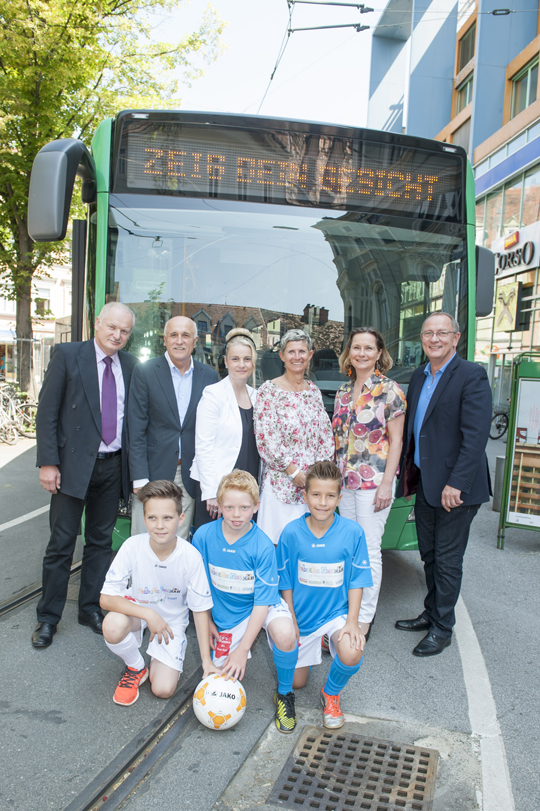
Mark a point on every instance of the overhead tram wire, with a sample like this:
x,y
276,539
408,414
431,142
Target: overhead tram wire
x,y
284,43
291,3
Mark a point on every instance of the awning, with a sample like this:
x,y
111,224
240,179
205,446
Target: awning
x,y
7,336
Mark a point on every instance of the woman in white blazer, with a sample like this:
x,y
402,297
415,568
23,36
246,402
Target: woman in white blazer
x,y
224,433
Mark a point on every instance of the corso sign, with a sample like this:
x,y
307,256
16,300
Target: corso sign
x,y
513,259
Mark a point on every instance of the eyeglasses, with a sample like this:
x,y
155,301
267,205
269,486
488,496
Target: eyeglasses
x,y
444,333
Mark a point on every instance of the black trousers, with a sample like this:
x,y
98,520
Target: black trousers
x,y
442,541
101,502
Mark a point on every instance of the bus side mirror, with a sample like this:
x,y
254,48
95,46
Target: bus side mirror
x,y
51,187
485,281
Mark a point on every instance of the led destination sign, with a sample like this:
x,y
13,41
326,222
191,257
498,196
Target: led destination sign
x,y
287,168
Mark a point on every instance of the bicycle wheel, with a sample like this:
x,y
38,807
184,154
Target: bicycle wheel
x,y
9,434
499,426
26,413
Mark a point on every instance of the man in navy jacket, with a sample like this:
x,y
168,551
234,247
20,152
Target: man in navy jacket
x,y
444,463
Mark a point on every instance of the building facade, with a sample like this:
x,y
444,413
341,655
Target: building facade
x,y
467,74
51,301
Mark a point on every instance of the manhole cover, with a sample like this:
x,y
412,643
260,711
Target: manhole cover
x,y
330,771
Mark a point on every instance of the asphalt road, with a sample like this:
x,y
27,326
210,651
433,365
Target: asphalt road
x,y
61,726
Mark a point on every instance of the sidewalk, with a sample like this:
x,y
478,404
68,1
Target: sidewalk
x,y
10,452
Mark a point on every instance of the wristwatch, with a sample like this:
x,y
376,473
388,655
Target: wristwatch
x,y
293,474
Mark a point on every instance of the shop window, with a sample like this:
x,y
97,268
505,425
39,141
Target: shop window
x,y
466,47
524,86
464,93
480,217
512,207
462,136
531,197
493,217
524,322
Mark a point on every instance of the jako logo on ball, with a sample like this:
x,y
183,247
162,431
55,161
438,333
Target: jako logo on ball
x,y
218,702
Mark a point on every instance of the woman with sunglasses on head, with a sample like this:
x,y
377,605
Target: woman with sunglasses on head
x,y
369,414
224,433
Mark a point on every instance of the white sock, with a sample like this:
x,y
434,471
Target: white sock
x,y
128,650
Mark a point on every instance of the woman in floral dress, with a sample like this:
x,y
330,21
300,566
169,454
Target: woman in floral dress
x,y
369,415
292,431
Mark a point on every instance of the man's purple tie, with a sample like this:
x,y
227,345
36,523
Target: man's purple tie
x,y
108,403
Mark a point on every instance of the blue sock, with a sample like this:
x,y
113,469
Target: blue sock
x,y
285,662
339,676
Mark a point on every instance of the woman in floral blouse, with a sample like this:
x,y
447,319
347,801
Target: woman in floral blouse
x,y
292,431
369,415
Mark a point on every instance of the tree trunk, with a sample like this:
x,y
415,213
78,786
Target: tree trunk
x,y
24,336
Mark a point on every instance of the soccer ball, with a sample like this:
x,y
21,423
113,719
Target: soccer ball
x,y
218,702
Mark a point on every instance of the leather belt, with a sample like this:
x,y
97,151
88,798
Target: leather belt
x,y
108,455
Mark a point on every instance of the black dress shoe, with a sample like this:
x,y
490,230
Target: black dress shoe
x,y
421,623
94,620
432,644
43,635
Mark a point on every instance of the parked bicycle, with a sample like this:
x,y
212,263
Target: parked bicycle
x,y
17,414
499,422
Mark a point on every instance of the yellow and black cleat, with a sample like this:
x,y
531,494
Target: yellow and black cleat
x,y
285,712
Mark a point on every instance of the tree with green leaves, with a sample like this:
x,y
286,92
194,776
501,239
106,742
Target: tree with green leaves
x,y
64,66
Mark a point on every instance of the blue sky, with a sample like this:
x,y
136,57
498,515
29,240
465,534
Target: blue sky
x,y
323,75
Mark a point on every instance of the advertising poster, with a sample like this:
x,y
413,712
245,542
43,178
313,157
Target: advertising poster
x,y
524,499
507,306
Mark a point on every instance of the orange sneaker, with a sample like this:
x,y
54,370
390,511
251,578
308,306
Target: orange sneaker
x,y
325,643
127,691
333,718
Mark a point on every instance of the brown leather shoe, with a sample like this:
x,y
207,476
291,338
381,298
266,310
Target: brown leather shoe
x,y
43,635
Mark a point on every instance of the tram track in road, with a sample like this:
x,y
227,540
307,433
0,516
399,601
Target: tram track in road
x,y
30,593
135,763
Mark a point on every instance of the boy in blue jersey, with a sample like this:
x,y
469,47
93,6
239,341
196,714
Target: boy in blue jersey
x,y
242,571
323,566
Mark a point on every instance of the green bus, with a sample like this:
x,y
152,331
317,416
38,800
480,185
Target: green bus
x,y
269,224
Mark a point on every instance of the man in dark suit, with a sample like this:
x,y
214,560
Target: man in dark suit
x,y
444,462
162,408
82,460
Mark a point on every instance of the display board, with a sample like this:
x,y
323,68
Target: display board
x,y
524,500
520,506
287,168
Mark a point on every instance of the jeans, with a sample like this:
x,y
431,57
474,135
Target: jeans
x,y
442,540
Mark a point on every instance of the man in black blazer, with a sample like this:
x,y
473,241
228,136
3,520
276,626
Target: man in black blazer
x,y
82,462
162,408
444,462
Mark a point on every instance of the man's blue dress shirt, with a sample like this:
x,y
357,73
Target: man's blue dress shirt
x,y
426,394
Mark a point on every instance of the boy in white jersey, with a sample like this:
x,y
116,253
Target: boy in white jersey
x,y
153,581
241,565
323,566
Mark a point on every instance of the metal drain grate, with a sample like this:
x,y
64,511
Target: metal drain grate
x,y
330,771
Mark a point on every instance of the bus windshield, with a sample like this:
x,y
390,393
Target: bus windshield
x,y
271,268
